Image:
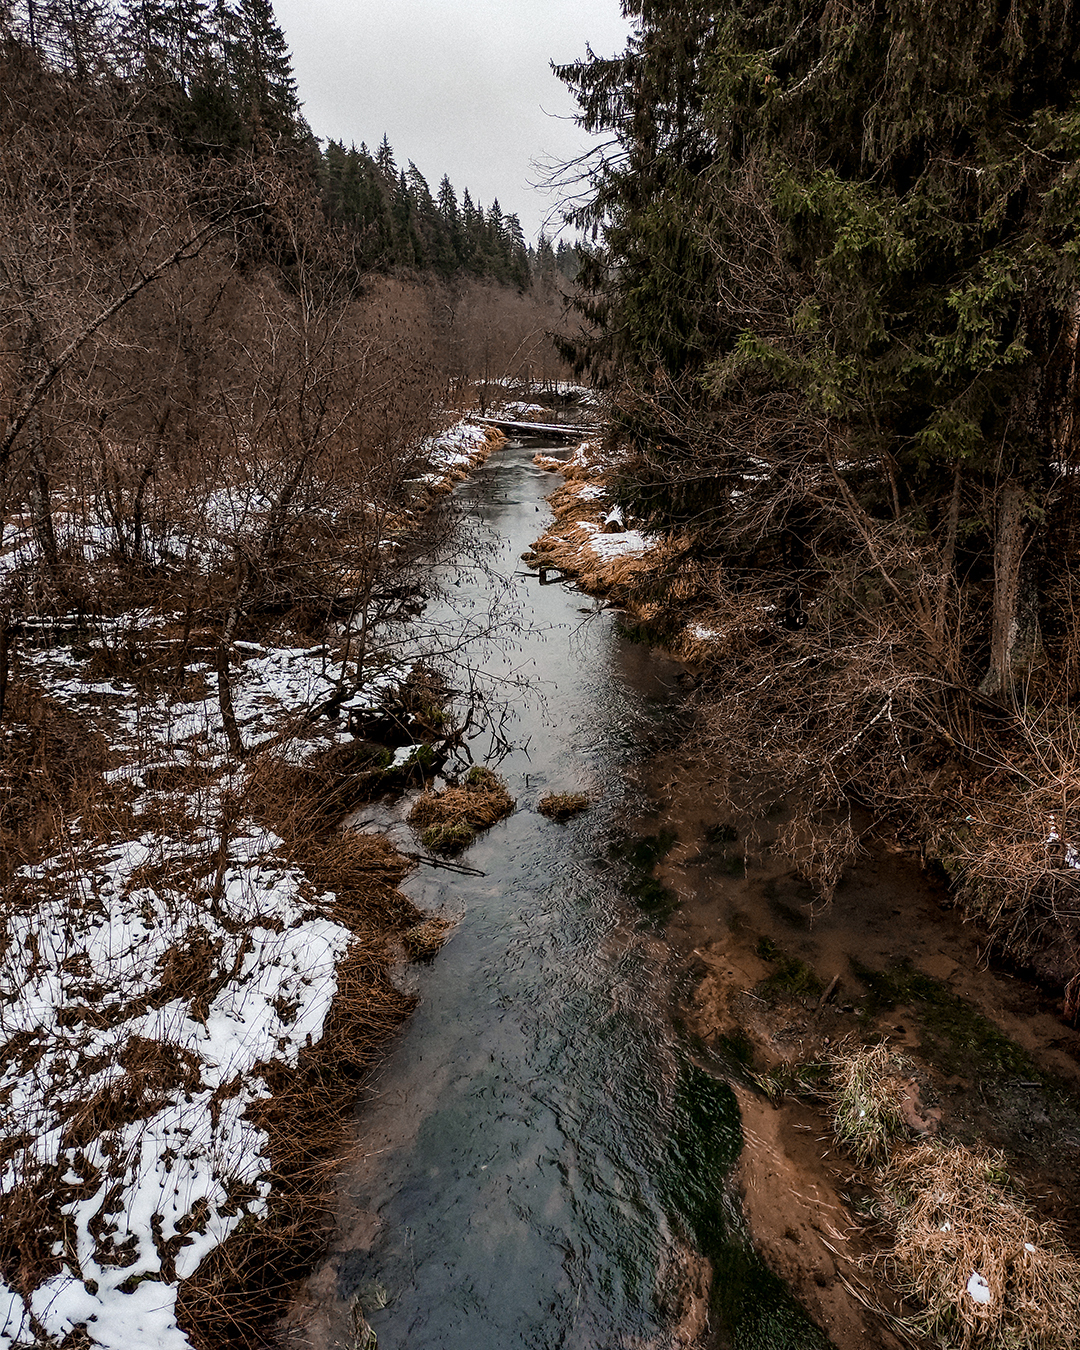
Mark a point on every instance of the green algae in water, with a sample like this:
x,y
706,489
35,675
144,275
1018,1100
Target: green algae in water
x,y
957,1037
656,901
753,1307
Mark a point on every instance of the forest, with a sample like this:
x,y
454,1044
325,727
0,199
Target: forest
x,y
825,291
189,278
833,294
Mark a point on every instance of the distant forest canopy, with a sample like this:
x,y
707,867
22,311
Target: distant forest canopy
x,y
402,224
217,75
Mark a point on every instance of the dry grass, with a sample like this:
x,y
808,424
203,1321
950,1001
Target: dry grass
x,y
586,462
362,872
563,805
49,760
569,548
867,1095
426,939
956,1218
1011,850
54,791
448,821
299,800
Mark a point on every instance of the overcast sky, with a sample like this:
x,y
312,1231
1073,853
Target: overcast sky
x,y
461,87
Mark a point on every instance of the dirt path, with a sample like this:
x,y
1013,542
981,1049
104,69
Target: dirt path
x,y
771,980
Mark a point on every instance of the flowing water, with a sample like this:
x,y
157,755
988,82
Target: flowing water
x,y
536,1163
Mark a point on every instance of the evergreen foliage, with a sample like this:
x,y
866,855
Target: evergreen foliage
x,y
844,236
217,75
398,223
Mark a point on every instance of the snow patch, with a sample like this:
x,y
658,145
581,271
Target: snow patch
x,y
628,544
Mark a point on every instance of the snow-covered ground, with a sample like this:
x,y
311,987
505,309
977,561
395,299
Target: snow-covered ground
x,y
103,992
452,452
154,966
625,544
160,971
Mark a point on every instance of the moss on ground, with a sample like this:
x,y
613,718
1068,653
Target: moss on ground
x,y
957,1038
791,977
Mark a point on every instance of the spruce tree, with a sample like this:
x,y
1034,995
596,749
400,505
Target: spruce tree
x,y
852,234
261,66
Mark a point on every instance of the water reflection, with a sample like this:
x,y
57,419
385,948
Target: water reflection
x,y
522,1148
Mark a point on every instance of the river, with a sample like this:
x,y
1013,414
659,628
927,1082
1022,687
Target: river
x,y
536,1164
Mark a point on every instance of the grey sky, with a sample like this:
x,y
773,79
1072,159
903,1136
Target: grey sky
x,y
461,87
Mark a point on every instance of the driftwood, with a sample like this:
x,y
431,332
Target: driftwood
x,y
429,861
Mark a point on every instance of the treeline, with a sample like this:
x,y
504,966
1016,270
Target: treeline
x,y
218,72
399,223
836,294
217,76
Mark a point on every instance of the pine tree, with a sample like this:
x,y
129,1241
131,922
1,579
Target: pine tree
x,y
261,67
384,158
517,254
72,35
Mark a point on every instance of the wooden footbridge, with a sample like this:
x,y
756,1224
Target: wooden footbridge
x,y
553,429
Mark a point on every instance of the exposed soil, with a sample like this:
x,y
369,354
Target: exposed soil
x,y
771,980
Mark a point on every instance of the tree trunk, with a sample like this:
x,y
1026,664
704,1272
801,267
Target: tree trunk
x,y
1015,638
224,684
40,492
5,648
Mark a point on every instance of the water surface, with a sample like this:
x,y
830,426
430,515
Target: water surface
x,y
522,1153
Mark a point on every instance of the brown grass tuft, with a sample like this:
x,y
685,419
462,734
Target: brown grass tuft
x,y
447,821
427,938
563,805
296,800
49,760
956,1219
362,871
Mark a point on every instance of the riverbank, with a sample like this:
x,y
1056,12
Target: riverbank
x,y
197,958
785,957
772,986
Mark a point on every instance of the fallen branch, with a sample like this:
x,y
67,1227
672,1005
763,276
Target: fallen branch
x,y
441,862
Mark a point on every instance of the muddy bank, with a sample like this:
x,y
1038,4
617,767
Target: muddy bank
x,y
772,982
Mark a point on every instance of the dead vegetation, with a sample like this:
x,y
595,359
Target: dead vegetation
x,y
962,1246
215,916
868,1092
969,1251
426,939
448,821
843,683
571,545
233,1296
563,805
